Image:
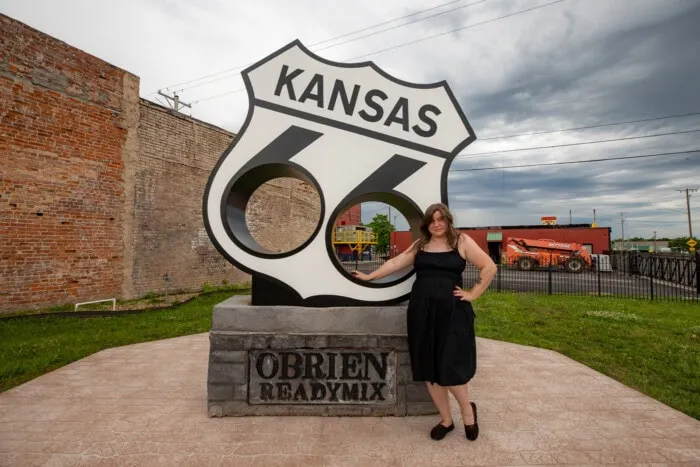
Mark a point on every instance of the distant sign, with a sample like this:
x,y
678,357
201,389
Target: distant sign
x,y
691,243
549,220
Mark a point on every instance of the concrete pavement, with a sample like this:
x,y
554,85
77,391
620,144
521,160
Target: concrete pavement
x,y
145,405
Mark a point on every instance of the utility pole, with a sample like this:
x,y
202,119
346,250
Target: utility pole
x,y
176,103
622,225
687,205
569,216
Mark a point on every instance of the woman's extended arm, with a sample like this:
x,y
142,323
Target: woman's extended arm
x,y
403,260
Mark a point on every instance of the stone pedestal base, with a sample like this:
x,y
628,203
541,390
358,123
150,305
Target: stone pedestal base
x,y
279,360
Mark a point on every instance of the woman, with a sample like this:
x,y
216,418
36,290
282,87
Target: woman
x,y
440,317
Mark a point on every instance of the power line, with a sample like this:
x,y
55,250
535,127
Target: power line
x,y
235,91
591,126
386,22
344,42
579,143
650,221
670,209
457,29
543,164
400,25
421,40
241,67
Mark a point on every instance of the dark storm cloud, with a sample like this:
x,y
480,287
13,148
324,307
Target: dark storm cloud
x,y
501,187
639,72
668,48
673,47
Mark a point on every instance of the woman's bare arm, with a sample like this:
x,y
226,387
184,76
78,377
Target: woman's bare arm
x,y
403,260
481,260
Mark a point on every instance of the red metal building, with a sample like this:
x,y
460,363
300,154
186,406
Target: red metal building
x,y
352,216
493,239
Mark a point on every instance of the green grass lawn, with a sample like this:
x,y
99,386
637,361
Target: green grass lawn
x,y
653,347
30,347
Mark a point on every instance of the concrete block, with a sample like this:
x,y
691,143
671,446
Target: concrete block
x,y
361,341
237,315
393,342
220,392
300,349
315,341
229,356
417,392
405,375
286,341
227,373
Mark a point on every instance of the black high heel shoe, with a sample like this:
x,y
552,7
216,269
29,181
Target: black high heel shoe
x,y
472,431
439,431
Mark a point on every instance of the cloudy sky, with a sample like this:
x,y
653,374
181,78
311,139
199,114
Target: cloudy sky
x,y
516,66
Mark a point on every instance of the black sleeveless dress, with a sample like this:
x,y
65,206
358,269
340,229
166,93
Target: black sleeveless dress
x,y
441,339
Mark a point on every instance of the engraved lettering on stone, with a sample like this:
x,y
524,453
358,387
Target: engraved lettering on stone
x,y
322,376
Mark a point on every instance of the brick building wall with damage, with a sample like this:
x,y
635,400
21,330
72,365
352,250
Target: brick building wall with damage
x,y
67,137
101,191
176,156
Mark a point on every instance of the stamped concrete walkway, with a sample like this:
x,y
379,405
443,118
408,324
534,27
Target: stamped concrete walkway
x,y
145,405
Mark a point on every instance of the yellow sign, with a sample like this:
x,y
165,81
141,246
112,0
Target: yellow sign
x,y
691,243
691,249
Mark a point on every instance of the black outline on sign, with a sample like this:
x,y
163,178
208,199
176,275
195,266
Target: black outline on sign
x,y
380,186
261,168
326,300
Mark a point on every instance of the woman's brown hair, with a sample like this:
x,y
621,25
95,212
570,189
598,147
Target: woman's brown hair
x,y
452,233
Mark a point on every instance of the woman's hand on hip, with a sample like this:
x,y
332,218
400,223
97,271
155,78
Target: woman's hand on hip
x,y
465,295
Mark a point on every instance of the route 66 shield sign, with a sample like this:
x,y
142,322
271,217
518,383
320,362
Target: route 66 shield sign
x,y
357,135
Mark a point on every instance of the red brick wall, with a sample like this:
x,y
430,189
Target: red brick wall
x,y
283,213
67,123
352,216
101,192
176,156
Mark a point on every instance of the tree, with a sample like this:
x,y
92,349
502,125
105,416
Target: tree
x,y
679,243
382,228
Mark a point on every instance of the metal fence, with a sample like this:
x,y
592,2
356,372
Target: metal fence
x,y
628,274
653,276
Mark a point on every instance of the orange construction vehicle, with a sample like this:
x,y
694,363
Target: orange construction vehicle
x,y
527,254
